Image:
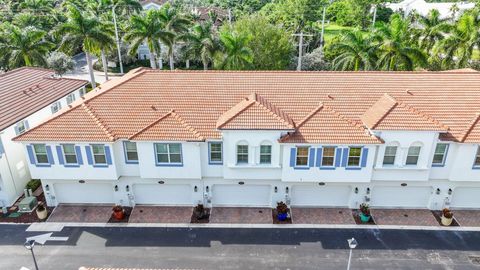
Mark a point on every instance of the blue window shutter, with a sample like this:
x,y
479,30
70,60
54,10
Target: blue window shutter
x,y
363,160
50,155
27,127
108,156
345,157
293,156
78,151
31,156
311,157
338,157
60,155
319,157
88,150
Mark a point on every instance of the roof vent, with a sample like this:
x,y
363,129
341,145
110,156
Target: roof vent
x,y
408,92
329,96
153,107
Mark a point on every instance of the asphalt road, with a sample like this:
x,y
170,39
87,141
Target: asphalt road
x,y
202,248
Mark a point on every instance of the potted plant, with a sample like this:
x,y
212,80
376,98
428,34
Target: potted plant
x,y
200,212
447,217
282,211
364,213
118,212
41,211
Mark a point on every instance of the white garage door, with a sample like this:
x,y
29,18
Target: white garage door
x,y
315,195
466,197
84,193
402,197
241,195
163,194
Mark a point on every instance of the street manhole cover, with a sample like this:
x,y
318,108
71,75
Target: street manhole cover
x,y
474,259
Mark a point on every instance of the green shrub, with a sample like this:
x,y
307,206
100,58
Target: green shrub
x,y
33,184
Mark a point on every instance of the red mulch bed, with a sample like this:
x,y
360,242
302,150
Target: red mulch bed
x,y
128,212
194,219
275,219
26,217
356,217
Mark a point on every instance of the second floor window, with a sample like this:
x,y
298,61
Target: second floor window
x,y
21,127
242,154
440,154
131,151
265,154
69,154
390,154
168,152
56,107
412,155
328,156
302,156
99,156
354,155
477,158
70,98
41,153
215,152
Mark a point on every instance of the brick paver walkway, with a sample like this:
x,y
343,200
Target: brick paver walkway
x,y
247,215
469,218
322,216
412,217
161,214
81,213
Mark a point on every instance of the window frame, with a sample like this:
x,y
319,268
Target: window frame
x,y
269,154
303,156
59,106
323,156
210,160
168,153
350,156
444,155
125,151
23,124
477,156
35,154
70,98
65,155
417,156
394,156
247,153
104,154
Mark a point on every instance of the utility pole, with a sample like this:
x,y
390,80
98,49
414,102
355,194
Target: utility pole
x,y
117,39
300,48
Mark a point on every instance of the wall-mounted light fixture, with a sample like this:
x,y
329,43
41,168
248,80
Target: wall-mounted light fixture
x,y
368,190
356,190
116,188
286,190
195,189
47,188
450,191
127,188
437,191
275,189
207,188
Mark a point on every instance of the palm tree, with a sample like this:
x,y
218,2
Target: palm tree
x,y
23,47
147,28
86,31
461,41
397,50
204,42
357,51
235,54
433,29
175,23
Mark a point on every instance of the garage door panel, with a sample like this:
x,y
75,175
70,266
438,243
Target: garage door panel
x,y
321,196
401,197
84,193
156,194
241,195
466,197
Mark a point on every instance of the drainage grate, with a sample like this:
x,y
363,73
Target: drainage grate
x,y
474,259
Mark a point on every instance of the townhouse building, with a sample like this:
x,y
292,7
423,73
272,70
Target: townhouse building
x,y
27,96
315,139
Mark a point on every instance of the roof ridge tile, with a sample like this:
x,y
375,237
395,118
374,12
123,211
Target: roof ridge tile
x,y
90,111
470,127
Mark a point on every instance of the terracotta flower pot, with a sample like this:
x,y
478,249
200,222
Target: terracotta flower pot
x,y
118,215
41,214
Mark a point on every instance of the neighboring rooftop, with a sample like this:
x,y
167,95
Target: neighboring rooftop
x,y
323,107
24,91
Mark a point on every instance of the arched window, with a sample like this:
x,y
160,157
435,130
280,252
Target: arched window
x,y
266,153
390,153
413,154
242,153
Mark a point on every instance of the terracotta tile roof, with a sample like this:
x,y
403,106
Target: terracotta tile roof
x,y
24,91
124,106
324,125
389,114
168,127
255,112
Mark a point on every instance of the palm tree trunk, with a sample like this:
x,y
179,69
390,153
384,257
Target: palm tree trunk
x,y
90,69
152,60
187,63
171,61
104,62
205,66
